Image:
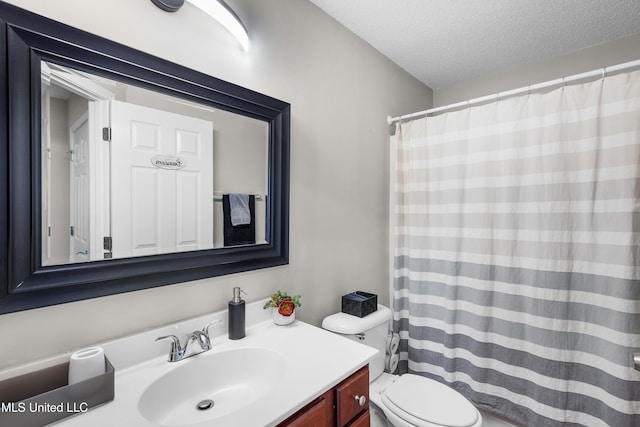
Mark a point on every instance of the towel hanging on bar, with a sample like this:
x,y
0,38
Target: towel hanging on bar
x,y
240,234
239,209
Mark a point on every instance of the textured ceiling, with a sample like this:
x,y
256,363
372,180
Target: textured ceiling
x,y
444,42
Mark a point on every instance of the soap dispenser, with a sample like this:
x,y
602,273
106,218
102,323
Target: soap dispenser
x,y
236,315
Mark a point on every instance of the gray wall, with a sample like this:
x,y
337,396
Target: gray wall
x,y
341,91
593,58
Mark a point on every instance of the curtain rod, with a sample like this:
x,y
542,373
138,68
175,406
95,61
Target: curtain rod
x,y
525,89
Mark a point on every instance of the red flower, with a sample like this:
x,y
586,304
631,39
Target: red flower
x,y
286,307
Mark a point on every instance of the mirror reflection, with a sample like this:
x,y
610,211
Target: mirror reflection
x,y
130,172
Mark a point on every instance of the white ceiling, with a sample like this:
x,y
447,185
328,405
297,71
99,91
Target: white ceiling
x,y
444,42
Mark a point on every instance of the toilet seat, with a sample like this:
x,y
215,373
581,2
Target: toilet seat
x,y
424,402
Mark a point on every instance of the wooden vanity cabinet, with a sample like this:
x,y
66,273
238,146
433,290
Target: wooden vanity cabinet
x,y
341,406
318,413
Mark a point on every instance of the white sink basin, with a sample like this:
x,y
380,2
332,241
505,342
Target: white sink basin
x,y
259,380
224,382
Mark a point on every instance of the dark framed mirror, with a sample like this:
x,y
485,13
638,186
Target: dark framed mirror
x,y
62,81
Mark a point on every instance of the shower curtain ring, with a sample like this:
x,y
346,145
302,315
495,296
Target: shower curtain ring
x,y
604,72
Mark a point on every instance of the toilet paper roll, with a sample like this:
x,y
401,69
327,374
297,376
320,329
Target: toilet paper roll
x,y
393,342
85,364
391,363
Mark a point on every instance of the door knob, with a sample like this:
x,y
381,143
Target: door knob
x,y
360,399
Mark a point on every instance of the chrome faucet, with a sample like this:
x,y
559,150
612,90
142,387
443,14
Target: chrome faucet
x,y
179,352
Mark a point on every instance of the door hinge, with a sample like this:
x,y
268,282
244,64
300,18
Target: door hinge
x,y
108,244
72,230
108,247
106,134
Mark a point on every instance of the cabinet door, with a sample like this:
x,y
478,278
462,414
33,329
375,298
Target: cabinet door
x,y
352,397
318,413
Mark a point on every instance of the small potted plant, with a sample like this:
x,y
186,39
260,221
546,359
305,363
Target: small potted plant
x,y
283,307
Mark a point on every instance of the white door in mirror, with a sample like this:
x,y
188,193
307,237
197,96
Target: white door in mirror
x,y
79,233
159,209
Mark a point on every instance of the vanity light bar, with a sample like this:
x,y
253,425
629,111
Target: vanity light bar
x,y
222,13
218,10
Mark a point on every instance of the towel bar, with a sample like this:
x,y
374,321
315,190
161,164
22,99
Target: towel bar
x,y
218,197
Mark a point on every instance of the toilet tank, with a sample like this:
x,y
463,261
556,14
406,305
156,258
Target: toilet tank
x,y
371,330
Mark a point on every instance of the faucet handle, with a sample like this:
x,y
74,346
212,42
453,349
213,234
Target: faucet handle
x,y
205,329
176,351
176,340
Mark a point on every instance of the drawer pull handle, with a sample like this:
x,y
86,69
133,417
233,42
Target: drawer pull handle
x,y
360,399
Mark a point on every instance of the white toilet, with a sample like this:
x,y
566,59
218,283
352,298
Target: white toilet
x,y
406,400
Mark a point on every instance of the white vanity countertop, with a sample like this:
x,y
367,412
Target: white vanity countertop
x,y
315,361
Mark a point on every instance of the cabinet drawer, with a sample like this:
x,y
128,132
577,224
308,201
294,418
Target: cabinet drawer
x,y
349,402
318,413
363,420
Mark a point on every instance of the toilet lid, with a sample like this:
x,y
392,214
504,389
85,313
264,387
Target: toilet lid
x,y
414,398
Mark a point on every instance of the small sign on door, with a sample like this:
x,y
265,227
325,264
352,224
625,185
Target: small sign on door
x,y
168,162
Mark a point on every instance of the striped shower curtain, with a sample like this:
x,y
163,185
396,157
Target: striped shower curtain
x,y
516,251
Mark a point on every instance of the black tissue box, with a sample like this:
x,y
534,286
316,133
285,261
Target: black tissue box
x,y
359,303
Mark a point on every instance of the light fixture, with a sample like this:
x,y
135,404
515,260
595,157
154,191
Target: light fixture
x,y
218,10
